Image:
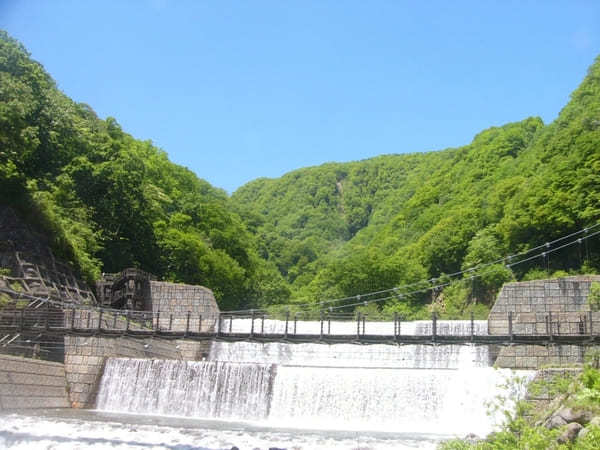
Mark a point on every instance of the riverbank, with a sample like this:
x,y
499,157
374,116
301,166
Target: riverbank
x,y
566,417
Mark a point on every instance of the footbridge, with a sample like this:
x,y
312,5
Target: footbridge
x,y
55,319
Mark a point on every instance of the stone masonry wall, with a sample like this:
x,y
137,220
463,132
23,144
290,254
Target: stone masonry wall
x,y
173,301
31,383
85,357
541,307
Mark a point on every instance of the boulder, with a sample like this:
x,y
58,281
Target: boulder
x,y
581,416
472,438
555,421
570,433
594,422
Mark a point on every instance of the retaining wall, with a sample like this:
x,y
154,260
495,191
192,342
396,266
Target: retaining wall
x,y
30,383
544,307
85,357
173,301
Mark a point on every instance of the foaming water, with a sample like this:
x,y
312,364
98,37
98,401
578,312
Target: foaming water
x,y
415,395
79,429
373,399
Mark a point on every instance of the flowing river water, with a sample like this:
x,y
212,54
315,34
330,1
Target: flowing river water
x,y
293,396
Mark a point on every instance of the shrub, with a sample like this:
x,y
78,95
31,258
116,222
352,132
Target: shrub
x,y
594,296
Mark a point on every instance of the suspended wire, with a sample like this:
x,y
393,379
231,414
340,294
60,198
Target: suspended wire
x,y
359,298
477,267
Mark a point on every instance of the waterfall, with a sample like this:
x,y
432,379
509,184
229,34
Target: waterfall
x,y
351,355
208,389
406,388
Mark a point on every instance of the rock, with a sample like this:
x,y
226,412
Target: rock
x,y
582,433
555,421
570,433
276,448
471,438
594,422
581,416
234,448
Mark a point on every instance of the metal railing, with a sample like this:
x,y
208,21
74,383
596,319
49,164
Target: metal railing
x,y
329,328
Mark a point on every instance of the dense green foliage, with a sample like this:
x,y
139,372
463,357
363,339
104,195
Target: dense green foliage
x,y
524,428
344,229
109,201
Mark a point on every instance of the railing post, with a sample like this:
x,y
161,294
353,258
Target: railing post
x,y
89,316
262,324
47,316
433,326
170,321
364,317
187,324
128,320
295,322
551,327
218,324
321,333
72,318
358,326
472,327
395,325
199,323
252,326
510,325
230,323
328,324
22,324
100,320
591,325
287,319
114,321
157,320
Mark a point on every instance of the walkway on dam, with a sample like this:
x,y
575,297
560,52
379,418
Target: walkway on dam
x,y
225,327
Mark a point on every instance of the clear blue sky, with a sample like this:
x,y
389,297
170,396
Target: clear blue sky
x,y
237,90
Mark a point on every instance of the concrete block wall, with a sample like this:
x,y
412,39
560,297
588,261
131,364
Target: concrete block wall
x,y
176,300
556,306
30,383
85,358
538,356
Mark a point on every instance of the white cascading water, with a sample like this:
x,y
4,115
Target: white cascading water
x,y
343,386
209,389
352,355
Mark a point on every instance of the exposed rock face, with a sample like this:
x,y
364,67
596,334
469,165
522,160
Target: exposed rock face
x,y
27,254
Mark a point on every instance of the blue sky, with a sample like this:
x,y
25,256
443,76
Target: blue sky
x,y
237,90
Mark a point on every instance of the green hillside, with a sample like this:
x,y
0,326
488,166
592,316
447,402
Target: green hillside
x,y
344,229
110,201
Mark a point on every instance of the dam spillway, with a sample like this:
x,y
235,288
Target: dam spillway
x,y
411,388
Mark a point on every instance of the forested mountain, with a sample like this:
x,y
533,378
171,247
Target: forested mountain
x,y
344,229
110,201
